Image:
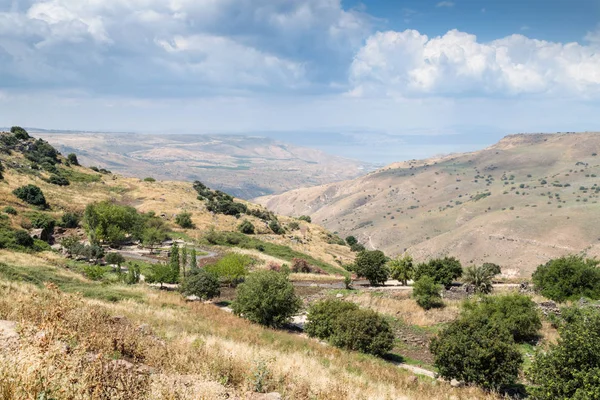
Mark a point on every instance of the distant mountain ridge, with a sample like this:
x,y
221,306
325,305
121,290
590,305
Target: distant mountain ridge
x,y
520,202
245,166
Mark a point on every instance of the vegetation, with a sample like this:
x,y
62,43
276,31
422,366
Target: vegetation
x,y
474,351
202,284
443,270
372,266
305,218
323,315
402,269
19,133
31,194
70,220
58,180
115,259
480,277
149,179
568,278
570,369
364,331
516,313
10,210
184,220
72,158
219,202
426,293
267,298
276,228
231,269
174,263
351,241
160,273
246,227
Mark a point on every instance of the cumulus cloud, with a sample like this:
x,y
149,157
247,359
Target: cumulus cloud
x,y
411,64
143,47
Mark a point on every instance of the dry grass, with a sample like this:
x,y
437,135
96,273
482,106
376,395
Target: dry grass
x,y
75,348
401,306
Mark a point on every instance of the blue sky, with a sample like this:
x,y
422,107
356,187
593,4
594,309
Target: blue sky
x,y
377,80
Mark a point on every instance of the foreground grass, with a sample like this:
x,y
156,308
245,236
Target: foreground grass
x,y
178,350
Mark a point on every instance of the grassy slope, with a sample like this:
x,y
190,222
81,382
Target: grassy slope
x,y
431,207
193,350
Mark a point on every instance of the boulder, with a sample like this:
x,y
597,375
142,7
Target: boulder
x,y
456,383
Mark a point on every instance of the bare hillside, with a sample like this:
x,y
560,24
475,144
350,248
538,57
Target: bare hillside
x,y
518,203
244,166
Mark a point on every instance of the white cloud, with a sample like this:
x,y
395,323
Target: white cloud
x,y
411,64
447,4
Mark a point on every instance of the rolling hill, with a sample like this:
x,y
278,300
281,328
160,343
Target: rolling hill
x,y
518,203
244,166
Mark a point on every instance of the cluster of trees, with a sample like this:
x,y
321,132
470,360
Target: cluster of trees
x,y
110,223
568,278
345,325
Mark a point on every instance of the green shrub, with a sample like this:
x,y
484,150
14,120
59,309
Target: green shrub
x,y
184,220
19,133
202,284
133,275
149,179
568,278
246,227
160,273
95,272
427,293
22,238
364,331
570,369
40,245
357,248
69,220
322,317
31,194
473,351
267,298
10,210
44,222
443,270
294,226
351,240
114,259
58,180
231,269
515,312
372,266
72,158
276,228
305,218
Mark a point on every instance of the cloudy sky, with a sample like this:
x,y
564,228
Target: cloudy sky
x,y
415,77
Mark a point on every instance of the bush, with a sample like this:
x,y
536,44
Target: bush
x,y
570,369
69,220
276,228
10,210
22,238
476,352
372,266
44,222
351,240
160,273
427,293
31,194
305,218
184,220
94,272
133,275
515,312
294,226
246,228
267,298
114,259
322,317
149,179
19,133
231,269
202,284
402,269
364,331
72,158
58,180
568,278
443,270
300,265
357,248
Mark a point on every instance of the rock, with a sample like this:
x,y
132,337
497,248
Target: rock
x,y
339,295
455,383
413,379
266,396
8,334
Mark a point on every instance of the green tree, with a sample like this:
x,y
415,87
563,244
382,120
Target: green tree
x,y
322,317
516,312
202,284
133,275
372,266
153,236
443,270
115,259
427,293
570,369
351,240
193,260
160,273
402,269
364,331
113,223
72,158
184,220
231,269
31,194
19,133
69,220
174,262
477,352
246,227
568,278
480,278
267,298
184,260
276,228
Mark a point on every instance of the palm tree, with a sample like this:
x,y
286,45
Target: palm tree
x,y
402,269
480,277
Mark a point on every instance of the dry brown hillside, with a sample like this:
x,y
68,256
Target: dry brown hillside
x,y
518,203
